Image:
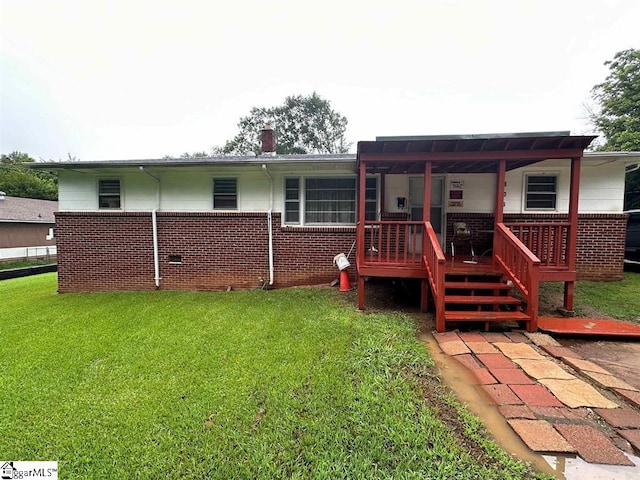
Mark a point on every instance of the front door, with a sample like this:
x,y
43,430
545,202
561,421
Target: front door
x,y
416,203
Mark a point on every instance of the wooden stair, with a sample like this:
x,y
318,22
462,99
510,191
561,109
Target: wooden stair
x,y
485,296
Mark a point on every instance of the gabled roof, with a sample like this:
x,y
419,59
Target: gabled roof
x,y
27,210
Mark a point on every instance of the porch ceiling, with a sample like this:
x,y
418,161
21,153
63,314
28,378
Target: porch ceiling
x,y
467,153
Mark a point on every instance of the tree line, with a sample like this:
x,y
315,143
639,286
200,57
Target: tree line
x,y
308,124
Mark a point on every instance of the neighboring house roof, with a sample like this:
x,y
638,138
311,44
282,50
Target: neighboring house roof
x,y
27,210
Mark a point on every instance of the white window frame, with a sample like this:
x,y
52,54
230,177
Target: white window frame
x,y
302,206
213,194
525,191
99,194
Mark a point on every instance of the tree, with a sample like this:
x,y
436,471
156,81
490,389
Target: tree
x,y
618,115
302,125
17,180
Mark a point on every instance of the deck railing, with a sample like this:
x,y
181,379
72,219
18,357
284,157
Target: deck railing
x,y
392,243
520,265
434,262
547,241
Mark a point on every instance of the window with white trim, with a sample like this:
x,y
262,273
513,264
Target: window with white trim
x,y
292,201
109,193
541,191
225,193
326,200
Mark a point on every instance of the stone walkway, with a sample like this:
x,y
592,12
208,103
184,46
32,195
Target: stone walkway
x,y
554,400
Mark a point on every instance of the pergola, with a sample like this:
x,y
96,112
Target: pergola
x,y
468,154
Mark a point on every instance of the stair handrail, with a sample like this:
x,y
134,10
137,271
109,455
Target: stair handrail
x,y
433,260
521,266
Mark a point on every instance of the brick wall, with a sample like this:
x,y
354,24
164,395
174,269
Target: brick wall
x,y
114,251
600,243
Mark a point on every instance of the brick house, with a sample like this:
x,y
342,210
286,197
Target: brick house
x,y
279,220
26,228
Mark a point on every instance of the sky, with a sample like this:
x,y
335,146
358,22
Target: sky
x,y
144,79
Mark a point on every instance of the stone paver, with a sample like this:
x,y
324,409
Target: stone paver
x,y
576,415
501,394
484,377
633,436
468,361
620,417
511,376
518,350
609,381
495,360
535,396
559,352
516,411
495,337
472,337
446,337
592,445
541,339
543,369
584,365
575,393
540,436
629,395
482,347
517,337
454,347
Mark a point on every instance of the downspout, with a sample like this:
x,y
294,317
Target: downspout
x,y
270,222
154,226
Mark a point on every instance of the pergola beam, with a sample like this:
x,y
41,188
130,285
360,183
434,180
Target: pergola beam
x,y
478,155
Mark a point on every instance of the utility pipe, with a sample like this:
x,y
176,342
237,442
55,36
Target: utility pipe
x,y
154,226
270,222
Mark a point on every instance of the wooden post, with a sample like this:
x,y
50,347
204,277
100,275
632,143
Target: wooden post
x,y
360,247
500,179
572,237
426,208
426,217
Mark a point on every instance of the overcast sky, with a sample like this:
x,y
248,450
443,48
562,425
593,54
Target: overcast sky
x,y
142,79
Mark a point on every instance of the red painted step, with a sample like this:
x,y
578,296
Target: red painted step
x,y
478,285
483,299
453,316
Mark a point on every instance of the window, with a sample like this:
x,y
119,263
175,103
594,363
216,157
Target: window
x,y
109,193
330,200
292,200
371,199
541,192
225,193
327,200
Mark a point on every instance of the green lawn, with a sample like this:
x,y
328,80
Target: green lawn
x,y
264,384
615,299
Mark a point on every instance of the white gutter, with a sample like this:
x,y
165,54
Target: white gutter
x,y
154,226
270,222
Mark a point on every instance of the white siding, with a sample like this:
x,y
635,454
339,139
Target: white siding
x,y
188,189
601,185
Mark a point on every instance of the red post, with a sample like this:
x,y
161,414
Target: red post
x,y
572,237
500,179
426,208
360,245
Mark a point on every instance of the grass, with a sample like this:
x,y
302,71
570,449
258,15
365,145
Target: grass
x,y
22,263
262,384
615,299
